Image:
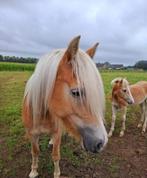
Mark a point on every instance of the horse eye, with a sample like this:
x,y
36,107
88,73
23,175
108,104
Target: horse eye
x,y
75,92
124,90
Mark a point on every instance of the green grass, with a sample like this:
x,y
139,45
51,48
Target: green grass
x,y
11,89
12,66
12,85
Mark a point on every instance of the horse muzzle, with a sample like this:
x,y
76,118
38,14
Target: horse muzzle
x,y
91,142
129,101
95,147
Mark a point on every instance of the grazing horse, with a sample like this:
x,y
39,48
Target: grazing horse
x,y
65,91
123,95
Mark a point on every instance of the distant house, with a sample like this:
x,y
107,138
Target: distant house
x,y
99,65
107,65
117,66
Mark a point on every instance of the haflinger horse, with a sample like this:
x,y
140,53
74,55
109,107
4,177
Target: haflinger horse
x,y
123,95
65,91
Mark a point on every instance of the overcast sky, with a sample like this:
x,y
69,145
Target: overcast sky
x,y
34,27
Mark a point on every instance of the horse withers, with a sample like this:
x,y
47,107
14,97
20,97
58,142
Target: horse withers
x,y
123,95
65,91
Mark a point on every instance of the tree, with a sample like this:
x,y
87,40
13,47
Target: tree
x,y
141,65
1,58
17,59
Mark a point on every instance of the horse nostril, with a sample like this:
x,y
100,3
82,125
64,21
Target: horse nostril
x,y
130,102
99,145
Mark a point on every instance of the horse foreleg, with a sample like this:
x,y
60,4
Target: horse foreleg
x,y
56,169
145,118
35,153
123,122
142,115
56,152
113,121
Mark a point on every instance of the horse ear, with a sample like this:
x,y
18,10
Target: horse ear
x,y
73,48
121,81
91,51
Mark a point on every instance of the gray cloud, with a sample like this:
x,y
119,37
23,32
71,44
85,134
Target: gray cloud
x,y
34,27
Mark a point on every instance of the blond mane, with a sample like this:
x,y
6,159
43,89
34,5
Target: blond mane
x,y
118,79
40,86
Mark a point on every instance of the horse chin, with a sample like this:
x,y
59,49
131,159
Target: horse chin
x,y
83,145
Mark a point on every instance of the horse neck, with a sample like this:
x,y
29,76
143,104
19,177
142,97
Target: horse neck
x,y
139,92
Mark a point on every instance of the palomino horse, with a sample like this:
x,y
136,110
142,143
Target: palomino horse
x,y
123,95
65,90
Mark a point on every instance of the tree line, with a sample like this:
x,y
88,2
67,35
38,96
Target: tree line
x,y
17,59
142,64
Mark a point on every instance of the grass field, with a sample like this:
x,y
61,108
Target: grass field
x,y
114,162
7,66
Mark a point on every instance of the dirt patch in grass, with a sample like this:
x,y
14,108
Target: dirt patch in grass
x,y
122,158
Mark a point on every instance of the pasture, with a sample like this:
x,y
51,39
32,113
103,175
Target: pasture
x,y
122,158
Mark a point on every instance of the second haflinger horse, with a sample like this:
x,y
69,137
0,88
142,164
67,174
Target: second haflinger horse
x,y
65,90
123,95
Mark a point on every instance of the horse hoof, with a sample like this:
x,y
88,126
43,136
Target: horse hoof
x,y
139,125
121,134
33,174
57,176
110,134
143,132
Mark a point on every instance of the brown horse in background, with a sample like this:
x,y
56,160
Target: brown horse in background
x,y
65,91
123,95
